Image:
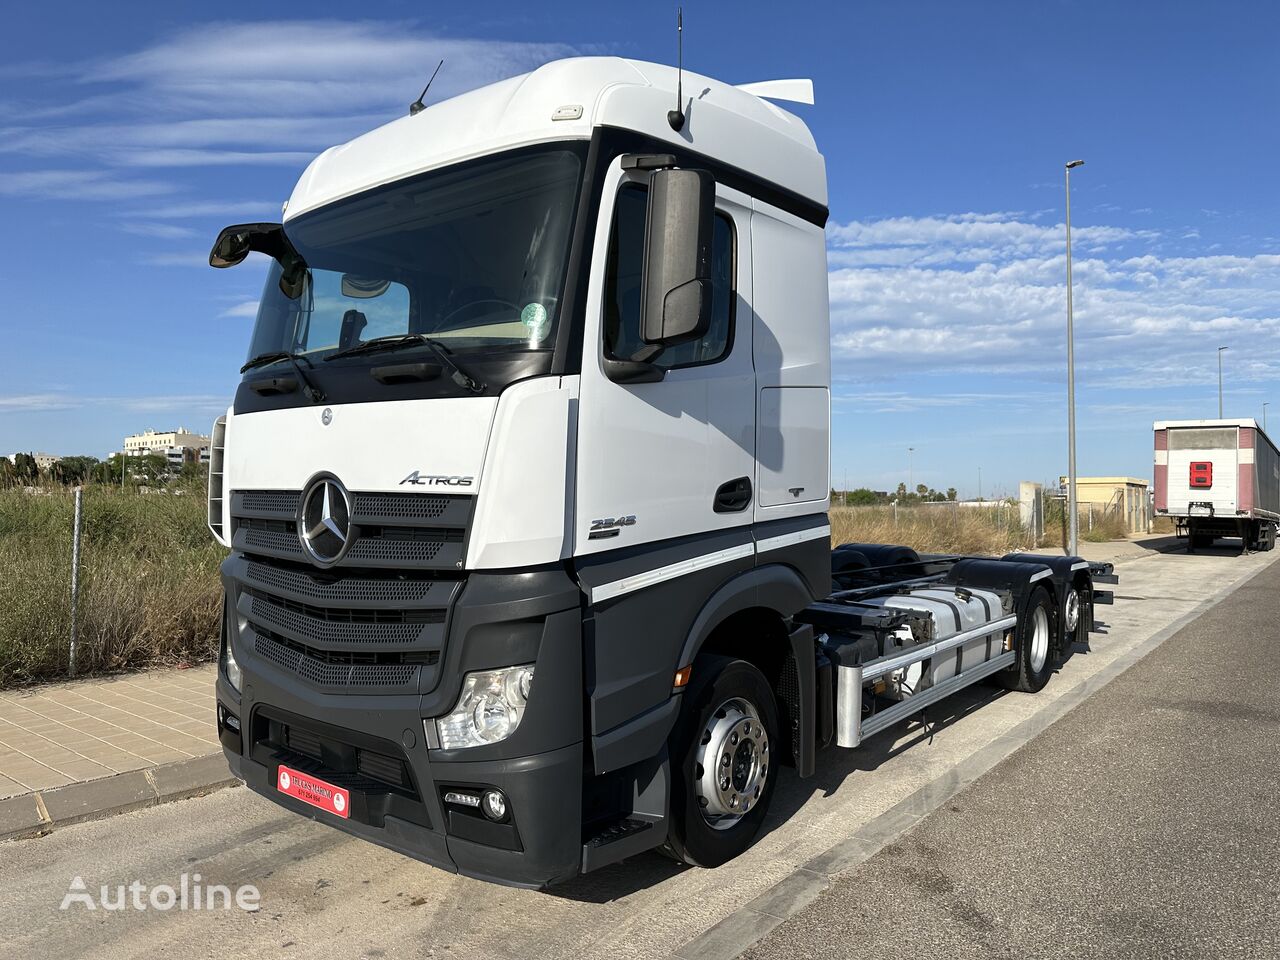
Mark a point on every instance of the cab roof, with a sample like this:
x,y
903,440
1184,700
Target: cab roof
x,y
568,99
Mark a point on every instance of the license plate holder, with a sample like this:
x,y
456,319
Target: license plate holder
x,y
313,791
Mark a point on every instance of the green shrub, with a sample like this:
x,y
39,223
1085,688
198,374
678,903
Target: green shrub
x,y
149,589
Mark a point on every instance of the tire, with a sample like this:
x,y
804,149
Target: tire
x,y
1034,664
728,711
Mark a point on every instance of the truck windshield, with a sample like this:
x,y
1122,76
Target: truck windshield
x,y
473,257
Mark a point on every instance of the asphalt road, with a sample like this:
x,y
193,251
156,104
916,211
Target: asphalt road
x,y
1143,824
325,894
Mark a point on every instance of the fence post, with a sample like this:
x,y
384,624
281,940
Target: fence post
x,y
75,576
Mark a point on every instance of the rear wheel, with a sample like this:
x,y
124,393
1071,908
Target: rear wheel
x,y
723,763
1034,642
1073,630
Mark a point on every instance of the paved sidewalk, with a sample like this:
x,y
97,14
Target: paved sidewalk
x,y
85,730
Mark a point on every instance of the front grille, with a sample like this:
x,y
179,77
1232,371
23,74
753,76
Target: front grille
x,y
388,590
279,502
401,506
344,672
268,611
391,530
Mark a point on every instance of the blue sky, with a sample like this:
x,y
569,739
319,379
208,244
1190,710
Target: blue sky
x,y
129,133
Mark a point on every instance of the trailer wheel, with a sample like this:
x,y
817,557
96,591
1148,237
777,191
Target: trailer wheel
x,y
1034,664
723,763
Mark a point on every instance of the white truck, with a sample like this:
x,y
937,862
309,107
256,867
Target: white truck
x,y
1218,478
525,487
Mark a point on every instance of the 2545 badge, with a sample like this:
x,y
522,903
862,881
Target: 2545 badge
x,y
610,526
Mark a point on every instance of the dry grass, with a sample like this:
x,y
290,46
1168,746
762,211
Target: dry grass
x,y
149,590
940,529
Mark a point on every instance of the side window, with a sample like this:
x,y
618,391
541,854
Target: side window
x,y
622,288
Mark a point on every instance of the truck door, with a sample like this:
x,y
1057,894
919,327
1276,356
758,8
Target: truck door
x,y
675,458
1203,468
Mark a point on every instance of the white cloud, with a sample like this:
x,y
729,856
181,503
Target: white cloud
x,y
249,308
982,295
177,404
226,93
78,185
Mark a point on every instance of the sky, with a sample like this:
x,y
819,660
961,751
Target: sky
x,y
130,133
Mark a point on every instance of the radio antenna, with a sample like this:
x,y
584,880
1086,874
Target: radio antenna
x,y
676,117
418,106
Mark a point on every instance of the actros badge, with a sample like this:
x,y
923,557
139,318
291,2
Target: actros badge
x,y
433,480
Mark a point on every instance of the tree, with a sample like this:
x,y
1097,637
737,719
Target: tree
x,y
25,469
863,497
74,470
951,493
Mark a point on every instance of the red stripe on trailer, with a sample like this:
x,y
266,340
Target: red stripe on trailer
x,y
1244,489
1162,439
1246,438
1162,486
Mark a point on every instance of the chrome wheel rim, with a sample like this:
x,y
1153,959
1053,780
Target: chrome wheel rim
x,y
1039,639
731,766
1072,612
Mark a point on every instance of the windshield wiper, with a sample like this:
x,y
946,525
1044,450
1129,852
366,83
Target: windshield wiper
x,y
397,341
312,392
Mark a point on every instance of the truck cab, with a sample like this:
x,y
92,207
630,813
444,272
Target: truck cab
x,y
482,509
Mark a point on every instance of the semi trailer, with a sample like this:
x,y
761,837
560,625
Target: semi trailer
x,y
1218,478
526,483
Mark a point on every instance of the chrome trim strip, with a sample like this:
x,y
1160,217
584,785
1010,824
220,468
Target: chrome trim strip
x,y
790,539
607,591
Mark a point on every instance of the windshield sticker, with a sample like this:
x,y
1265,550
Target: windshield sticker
x,y
534,316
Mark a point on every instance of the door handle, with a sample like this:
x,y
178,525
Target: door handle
x,y
733,496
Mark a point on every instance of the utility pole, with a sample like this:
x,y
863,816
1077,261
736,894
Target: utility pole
x,y
1074,546
1220,349
911,482
1264,415
979,483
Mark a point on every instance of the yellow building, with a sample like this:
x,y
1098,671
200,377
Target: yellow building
x,y
1106,495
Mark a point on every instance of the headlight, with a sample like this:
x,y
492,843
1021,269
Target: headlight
x,y
490,708
233,669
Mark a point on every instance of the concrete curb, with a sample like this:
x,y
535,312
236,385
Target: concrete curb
x,y
750,924
35,814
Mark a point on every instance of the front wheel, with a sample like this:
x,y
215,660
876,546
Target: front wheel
x,y
1033,666
723,761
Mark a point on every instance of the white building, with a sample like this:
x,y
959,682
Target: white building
x,y
161,442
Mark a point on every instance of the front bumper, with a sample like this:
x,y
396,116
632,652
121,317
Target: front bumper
x,y
541,844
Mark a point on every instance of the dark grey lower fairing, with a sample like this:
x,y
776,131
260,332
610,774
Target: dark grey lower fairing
x,y
340,734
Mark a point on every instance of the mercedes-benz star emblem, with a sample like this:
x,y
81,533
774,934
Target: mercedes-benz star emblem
x,y
325,523
327,416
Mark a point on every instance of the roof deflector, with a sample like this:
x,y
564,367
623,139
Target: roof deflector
x,y
795,91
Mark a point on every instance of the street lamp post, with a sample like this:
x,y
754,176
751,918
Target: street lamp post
x,y
1220,349
910,471
1264,415
1071,384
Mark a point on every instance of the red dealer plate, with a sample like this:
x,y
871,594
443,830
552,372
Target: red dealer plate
x,y
314,791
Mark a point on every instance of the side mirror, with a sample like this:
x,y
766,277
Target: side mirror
x,y
237,242
675,304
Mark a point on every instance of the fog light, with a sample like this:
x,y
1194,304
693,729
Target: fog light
x,y
494,805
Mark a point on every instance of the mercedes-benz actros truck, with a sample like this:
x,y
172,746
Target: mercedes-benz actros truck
x,y
525,488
